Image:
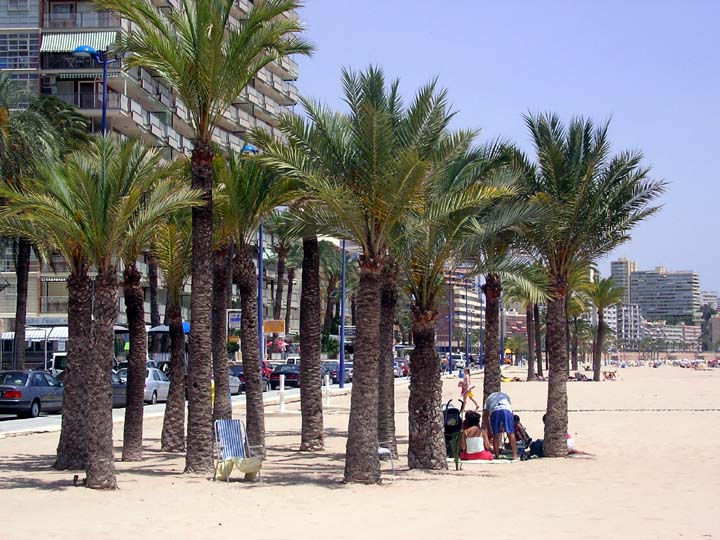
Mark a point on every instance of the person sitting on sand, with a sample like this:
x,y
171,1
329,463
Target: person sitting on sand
x,y
537,448
497,413
466,390
521,434
474,443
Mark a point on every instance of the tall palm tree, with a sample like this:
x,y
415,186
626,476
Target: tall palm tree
x,y
149,164
386,372
366,170
208,58
99,202
293,262
458,198
282,242
249,193
529,295
45,130
593,200
577,304
603,294
172,248
330,271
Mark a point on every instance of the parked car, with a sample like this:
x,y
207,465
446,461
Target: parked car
x,y
58,363
292,376
157,386
333,367
27,393
348,371
397,368
119,389
122,373
238,371
293,359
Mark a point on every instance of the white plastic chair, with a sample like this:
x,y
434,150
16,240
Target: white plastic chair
x,y
385,451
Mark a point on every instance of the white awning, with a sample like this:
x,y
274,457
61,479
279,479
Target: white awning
x,y
59,333
68,42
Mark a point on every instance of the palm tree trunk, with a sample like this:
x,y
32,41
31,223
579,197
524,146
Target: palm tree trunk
x,y
277,303
361,459
426,444
386,379
597,349
247,280
154,305
538,339
135,310
221,406
491,380
288,299
98,387
330,291
22,274
531,342
353,308
72,448
574,346
556,420
311,435
173,430
200,430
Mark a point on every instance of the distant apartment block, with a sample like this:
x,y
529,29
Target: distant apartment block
x,y
673,337
620,272
668,296
463,298
626,321
709,298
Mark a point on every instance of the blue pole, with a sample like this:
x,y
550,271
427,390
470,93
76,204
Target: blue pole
x,y
103,125
341,373
482,326
261,335
502,331
467,343
450,322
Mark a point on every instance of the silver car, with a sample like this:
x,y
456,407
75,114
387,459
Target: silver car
x,y
26,393
234,383
157,386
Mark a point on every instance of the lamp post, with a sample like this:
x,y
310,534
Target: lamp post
x,y
87,51
467,343
341,378
450,322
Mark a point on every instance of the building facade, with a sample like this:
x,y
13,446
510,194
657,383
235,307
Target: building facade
x,y
620,272
666,296
466,303
672,337
626,321
37,40
709,298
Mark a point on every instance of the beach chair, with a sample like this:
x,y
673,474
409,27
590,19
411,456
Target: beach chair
x,y
233,450
385,451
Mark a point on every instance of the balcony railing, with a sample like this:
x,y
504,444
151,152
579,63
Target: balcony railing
x,y
91,19
53,304
91,101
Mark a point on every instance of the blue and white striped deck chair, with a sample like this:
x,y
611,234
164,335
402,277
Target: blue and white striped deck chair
x,y
232,449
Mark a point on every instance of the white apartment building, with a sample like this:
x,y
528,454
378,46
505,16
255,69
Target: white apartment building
x,y
37,40
664,295
626,322
620,272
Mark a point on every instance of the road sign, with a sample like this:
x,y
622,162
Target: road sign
x,y
233,319
274,326
234,339
350,332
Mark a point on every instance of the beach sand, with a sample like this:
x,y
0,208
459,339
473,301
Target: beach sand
x,y
656,474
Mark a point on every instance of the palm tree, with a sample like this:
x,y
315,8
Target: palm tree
x,y
386,372
577,305
457,199
593,200
282,244
44,131
529,295
330,271
603,294
208,58
149,164
99,203
172,248
365,168
249,193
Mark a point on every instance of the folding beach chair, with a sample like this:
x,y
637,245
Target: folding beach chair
x,y
232,449
385,451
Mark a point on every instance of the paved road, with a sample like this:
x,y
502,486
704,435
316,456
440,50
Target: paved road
x,y
10,424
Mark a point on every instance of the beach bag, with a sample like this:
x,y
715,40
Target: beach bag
x,y
536,448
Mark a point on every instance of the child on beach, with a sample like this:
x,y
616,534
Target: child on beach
x,y
466,389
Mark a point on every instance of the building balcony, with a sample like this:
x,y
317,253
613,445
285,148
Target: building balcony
x,y
53,304
92,19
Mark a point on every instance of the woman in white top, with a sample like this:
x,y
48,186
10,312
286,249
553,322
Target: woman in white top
x,y
474,443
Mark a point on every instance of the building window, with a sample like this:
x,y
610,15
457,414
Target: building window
x,y
18,5
19,51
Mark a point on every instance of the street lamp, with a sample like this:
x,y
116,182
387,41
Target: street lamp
x,y
87,51
341,380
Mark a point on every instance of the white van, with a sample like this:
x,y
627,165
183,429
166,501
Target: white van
x,y
58,363
293,359
458,360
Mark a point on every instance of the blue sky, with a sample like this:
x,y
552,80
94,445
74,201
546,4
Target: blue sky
x,y
651,66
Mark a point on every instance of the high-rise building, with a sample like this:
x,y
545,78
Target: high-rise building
x,y
709,298
37,40
625,320
668,296
466,302
620,271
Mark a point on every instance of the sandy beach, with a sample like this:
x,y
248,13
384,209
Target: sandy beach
x,y
656,474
